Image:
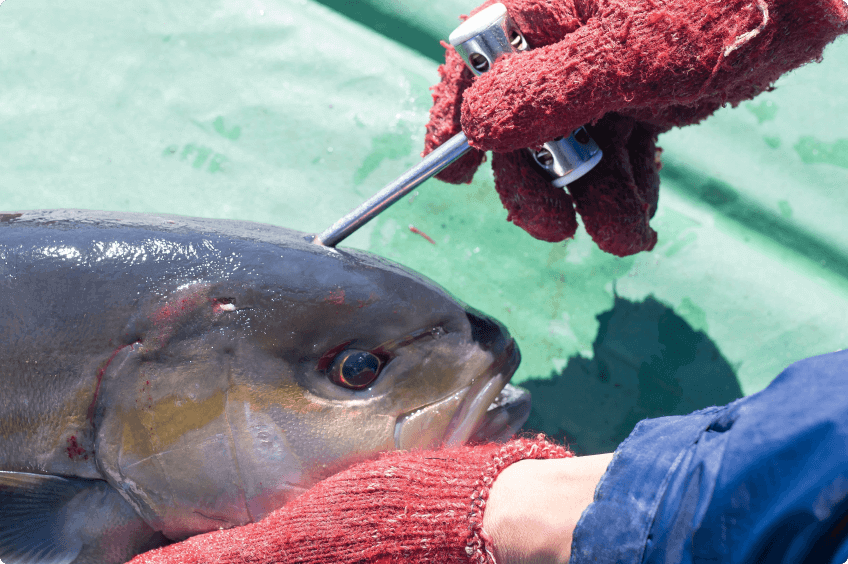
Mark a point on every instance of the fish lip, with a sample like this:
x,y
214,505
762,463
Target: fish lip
x,y
504,417
471,415
470,408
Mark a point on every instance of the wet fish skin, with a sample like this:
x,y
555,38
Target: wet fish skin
x,y
180,365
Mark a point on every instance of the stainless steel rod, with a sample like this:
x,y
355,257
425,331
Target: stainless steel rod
x,y
430,165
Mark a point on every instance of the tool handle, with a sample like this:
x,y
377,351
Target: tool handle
x,y
430,165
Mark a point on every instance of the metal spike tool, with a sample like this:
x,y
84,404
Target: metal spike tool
x,y
480,40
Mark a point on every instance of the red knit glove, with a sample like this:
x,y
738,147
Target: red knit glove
x,y
632,69
412,507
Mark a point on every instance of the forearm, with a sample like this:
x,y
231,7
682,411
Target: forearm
x,y
534,506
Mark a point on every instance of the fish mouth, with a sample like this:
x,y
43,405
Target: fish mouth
x,y
504,416
489,409
492,409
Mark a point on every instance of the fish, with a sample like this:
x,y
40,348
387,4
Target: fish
x,y
165,376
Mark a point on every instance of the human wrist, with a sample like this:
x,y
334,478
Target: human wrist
x,y
534,507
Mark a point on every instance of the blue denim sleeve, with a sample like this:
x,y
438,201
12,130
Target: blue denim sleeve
x,y
763,479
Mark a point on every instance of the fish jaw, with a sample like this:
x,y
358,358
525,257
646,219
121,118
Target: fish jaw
x,y
504,416
472,412
488,409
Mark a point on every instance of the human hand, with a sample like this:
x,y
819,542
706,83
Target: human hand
x,y
411,507
631,69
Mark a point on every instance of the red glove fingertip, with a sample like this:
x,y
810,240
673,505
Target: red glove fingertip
x,y
444,117
536,206
617,199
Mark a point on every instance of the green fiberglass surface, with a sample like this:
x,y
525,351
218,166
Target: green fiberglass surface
x,y
293,112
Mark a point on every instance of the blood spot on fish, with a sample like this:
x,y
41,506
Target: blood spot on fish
x,y
336,297
91,406
171,315
74,450
372,298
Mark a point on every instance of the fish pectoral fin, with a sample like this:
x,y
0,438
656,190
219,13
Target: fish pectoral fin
x,y
31,528
56,520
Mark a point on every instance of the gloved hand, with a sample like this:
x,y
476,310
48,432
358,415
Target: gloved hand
x,y
631,69
411,507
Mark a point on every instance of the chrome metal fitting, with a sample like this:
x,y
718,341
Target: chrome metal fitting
x,y
565,159
490,34
485,36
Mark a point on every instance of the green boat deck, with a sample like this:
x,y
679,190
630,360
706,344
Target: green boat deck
x,y
293,112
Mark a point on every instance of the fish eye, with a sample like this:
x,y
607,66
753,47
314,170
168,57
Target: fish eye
x,y
355,369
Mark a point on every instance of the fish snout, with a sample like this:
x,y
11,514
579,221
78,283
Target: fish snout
x,y
493,337
489,333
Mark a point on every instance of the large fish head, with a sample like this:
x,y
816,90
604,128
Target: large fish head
x,y
233,397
